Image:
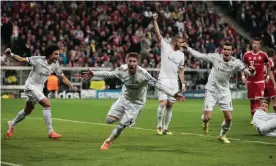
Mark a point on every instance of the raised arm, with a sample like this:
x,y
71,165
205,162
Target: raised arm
x,y
156,28
16,57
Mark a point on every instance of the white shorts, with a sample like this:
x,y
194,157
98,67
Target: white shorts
x,y
34,94
170,83
125,110
224,100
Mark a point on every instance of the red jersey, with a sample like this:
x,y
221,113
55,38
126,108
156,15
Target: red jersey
x,y
258,60
273,69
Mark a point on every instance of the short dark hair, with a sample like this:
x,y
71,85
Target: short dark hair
x,y
270,52
174,38
264,101
228,44
134,55
257,39
50,49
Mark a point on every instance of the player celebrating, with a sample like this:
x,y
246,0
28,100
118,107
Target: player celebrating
x,y
255,83
270,85
172,66
43,66
264,122
217,87
133,98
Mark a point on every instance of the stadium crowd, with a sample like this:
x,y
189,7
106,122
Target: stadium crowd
x,y
99,34
258,17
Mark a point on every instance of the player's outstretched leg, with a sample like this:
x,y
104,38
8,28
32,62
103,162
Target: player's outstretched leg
x,y
114,134
20,116
225,126
48,118
168,118
160,114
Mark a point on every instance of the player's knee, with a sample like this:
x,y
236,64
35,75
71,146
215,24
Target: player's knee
x,y
162,106
228,119
110,120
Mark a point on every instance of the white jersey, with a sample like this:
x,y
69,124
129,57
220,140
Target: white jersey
x,y
135,86
261,117
40,71
171,61
221,72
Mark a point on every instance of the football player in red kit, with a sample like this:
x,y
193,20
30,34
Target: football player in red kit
x,y
256,82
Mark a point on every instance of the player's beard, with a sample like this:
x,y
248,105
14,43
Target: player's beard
x,y
227,58
132,70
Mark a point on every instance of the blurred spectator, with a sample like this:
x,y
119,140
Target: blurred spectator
x,y
99,34
257,17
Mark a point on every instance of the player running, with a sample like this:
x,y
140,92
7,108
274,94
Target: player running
x,y
43,66
264,122
270,85
217,90
256,83
172,66
133,98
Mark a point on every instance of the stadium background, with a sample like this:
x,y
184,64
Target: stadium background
x,y
99,34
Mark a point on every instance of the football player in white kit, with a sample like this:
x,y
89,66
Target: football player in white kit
x,y
217,90
172,66
264,122
42,67
134,94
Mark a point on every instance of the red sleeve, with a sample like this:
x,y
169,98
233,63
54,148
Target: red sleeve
x,y
266,59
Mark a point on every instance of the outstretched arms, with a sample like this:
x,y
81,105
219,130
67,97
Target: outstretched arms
x,y
196,54
105,74
16,57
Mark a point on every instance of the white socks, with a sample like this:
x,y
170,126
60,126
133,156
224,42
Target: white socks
x,y
168,118
48,119
160,114
20,116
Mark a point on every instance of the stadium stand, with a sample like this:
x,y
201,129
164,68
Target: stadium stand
x,y
257,17
99,34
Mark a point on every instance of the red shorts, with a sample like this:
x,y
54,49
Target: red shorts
x,y
255,90
269,91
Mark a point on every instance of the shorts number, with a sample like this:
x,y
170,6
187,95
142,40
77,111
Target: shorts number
x,y
230,104
262,93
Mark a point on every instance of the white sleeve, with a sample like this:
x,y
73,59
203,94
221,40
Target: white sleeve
x,y
240,66
208,57
153,82
33,60
58,69
108,74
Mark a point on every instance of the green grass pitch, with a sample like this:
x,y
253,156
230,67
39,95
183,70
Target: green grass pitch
x,y
83,129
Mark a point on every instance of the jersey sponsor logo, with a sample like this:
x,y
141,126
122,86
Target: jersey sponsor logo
x,y
225,71
171,58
